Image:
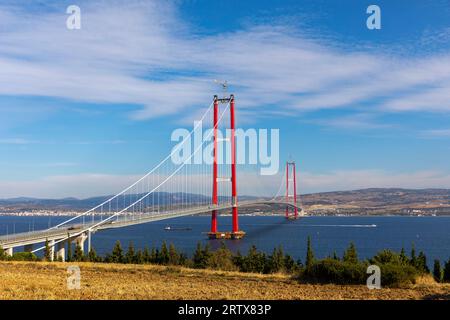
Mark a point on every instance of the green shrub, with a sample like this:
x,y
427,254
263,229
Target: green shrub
x,y
222,259
334,271
24,256
394,275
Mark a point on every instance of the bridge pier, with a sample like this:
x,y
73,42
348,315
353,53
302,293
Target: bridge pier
x,y
61,251
89,240
28,248
52,250
80,241
9,251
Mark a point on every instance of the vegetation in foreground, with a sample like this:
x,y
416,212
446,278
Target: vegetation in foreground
x,y
397,269
49,280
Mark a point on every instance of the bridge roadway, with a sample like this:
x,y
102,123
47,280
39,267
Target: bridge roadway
x,y
81,231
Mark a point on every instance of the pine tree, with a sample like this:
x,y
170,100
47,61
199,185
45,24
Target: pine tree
x,y
146,255
198,258
173,255
78,256
69,249
289,264
164,254
276,261
183,260
117,253
413,260
130,255
154,255
437,271
92,255
421,263
47,251
139,257
335,256
309,254
403,257
350,255
446,275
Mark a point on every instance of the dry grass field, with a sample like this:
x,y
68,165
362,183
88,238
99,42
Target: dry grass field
x,y
41,280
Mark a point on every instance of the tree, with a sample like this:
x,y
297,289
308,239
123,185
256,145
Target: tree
x,y
92,255
146,255
69,249
446,275
47,251
173,255
276,261
421,263
289,264
403,257
164,254
184,260
139,257
2,254
221,259
130,256
350,255
117,253
413,260
309,254
335,256
78,256
437,271
255,261
201,256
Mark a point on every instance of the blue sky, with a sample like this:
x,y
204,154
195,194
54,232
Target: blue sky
x,y
84,112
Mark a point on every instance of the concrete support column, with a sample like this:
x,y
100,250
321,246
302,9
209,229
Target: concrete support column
x,y
61,251
52,249
89,241
28,248
80,240
9,251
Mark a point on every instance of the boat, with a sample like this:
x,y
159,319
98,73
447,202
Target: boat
x,y
169,228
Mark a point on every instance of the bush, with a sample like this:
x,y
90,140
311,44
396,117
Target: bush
x,y
394,275
334,271
222,259
24,256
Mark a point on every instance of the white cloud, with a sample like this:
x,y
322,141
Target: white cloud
x,y
436,133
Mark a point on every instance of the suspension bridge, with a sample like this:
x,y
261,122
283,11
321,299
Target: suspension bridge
x,y
171,190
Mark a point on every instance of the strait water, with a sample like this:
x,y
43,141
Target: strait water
x,y
370,234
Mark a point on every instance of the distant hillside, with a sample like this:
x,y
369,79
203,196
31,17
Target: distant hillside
x,y
375,201
380,201
73,204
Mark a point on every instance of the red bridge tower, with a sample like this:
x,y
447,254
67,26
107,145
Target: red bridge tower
x,y
235,233
294,194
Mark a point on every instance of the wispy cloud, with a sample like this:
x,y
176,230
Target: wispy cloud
x,y
436,133
18,141
140,53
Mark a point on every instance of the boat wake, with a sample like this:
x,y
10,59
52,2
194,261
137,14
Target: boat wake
x,y
342,225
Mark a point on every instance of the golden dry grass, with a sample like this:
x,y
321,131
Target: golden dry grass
x,y
41,280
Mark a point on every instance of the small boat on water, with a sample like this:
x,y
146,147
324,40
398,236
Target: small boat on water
x,y
168,228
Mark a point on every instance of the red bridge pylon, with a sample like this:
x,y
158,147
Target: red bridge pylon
x,y
235,233
291,197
